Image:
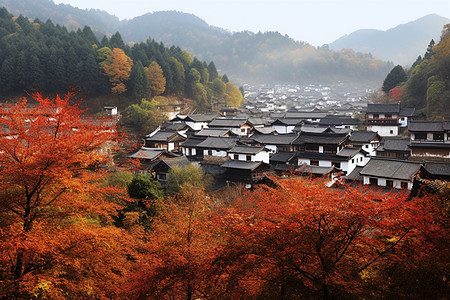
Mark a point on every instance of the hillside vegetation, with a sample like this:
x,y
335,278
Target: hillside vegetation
x,y
48,57
428,86
245,56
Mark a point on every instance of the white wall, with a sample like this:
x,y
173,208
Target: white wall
x,y
382,182
383,130
283,129
215,153
197,125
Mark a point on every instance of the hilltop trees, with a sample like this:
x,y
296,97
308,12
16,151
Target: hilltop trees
x,y
48,56
394,78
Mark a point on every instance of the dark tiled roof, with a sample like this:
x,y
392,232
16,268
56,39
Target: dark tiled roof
x,y
227,122
407,112
193,141
274,139
390,168
355,174
176,161
395,144
244,165
162,136
246,149
282,157
305,115
147,153
338,121
436,168
288,122
383,108
363,136
213,132
349,152
426,126
264,130
321,139
213,142
201,117
169,126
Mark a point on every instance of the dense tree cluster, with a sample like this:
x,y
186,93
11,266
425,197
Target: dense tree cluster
x,y
426,85
49,57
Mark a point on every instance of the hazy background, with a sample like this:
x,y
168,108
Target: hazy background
x,y
317,22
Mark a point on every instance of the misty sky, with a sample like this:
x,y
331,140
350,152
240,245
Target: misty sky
x,y
317,22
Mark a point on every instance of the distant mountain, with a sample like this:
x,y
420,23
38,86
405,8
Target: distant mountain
x,y
401,45
268,57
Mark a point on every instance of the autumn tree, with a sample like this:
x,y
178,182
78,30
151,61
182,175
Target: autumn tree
x,y
394,78
302,239
54,222
118,70
156,79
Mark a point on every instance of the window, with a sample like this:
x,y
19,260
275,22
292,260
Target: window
x,y
391,131
353,160
366,146
404,185
312,148
248,158
388,116
376,115
235,156
336,164
389,183
329,149
314,162
438,136
209,152
162,176
420,136
373,181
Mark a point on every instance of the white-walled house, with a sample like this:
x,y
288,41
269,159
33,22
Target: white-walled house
x,y
383,118
249,153
390,173
367,140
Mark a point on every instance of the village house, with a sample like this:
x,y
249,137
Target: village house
x,y
339,121
249,153
394,148
212,146
391,173
148,156
168,140
196,122
383,118
274,142
284,126
367,140
161,169
239,127
430,138
245,171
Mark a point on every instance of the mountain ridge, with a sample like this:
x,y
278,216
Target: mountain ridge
x,y
396,44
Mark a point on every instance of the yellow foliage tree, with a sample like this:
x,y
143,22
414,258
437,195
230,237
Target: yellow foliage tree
x,y
233,96
118,70
156,79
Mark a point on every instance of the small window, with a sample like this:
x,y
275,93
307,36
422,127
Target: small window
x,y
366,146
336,164
162,176
236,156
376,115
389,183
373,181
404,185
209,152
314,163
353,160
391,131
249,158
438,136
388,116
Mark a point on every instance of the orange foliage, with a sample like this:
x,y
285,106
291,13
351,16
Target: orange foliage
x,y
56,238
118,70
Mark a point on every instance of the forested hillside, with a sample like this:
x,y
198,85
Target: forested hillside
x,y
428,86
51,58
244,56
